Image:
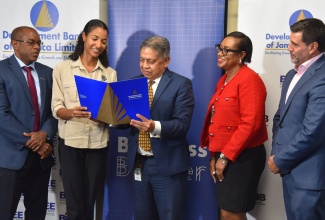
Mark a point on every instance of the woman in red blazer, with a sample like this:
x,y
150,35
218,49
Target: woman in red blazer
x,y
234,129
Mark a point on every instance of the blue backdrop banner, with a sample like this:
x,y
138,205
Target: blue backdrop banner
x,y
193,28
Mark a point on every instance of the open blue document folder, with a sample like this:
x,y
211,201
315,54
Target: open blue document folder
x,y
115,102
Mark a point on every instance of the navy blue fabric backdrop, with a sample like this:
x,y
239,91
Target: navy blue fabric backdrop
x,y
193,28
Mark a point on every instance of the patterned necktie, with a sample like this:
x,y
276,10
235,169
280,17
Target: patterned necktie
x,y
144,137
33,93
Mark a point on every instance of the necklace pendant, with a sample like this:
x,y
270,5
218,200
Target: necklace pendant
x,y
226,81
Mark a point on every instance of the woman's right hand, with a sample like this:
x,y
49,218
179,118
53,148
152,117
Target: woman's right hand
x,y
80,112
76,112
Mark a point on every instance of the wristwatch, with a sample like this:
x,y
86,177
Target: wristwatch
x,y
222,156
223,159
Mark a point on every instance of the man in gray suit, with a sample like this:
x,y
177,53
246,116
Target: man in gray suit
x,y
27,127
298,146
160,168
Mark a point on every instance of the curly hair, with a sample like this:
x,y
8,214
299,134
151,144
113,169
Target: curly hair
x,y
92,24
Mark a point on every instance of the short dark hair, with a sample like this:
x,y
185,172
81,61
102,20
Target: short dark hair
x,y
92,24
244,44
159,44
313,30
18,32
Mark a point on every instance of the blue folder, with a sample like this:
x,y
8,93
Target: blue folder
x,y
115,102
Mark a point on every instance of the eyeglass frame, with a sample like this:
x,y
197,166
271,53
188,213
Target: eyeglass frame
x,y
225,50
31,43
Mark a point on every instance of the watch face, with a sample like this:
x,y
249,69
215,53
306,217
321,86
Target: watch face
x,y
222,156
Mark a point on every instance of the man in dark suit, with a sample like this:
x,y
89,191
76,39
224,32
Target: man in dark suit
x,y
27,127
298,146
160,168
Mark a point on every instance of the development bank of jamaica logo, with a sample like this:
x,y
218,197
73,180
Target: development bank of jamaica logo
x,y
135,95
111,103
299,15
44,15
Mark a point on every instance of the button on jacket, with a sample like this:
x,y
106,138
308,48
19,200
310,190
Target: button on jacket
x,y
235,119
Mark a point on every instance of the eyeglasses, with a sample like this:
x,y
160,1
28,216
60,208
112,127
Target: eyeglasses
x,y
225,50
31,43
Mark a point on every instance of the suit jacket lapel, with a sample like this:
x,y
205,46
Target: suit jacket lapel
x,y
285,88
17,71
164,81
310,72
305,77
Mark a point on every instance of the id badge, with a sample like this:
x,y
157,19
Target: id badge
x,y
137,174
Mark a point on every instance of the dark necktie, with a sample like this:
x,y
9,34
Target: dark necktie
x,y
144,137
33,93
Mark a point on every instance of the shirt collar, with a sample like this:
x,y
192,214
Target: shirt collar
x,y
22,64
157,80
308,63
78,63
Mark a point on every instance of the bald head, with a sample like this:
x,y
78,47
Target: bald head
x,y
19,32
26,43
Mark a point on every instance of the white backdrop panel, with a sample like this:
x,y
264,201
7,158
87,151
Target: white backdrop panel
x,y
267,23
58,23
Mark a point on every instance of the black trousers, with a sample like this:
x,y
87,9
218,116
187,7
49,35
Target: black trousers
x,y
83,176
31,181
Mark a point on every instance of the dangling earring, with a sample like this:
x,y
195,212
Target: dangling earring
x,y
240,61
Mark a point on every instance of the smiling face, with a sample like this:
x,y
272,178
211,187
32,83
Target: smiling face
x,y
152,66
231,60
23,50
95,42
300,52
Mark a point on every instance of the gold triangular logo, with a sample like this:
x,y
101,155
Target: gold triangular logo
x,y
44,18
301,16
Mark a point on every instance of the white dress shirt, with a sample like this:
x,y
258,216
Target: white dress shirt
x,y
300,71
157,131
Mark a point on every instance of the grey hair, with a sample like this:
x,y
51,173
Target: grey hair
x,y
159,44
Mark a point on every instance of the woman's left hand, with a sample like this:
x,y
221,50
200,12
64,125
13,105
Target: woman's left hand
x,y
220,166
213,168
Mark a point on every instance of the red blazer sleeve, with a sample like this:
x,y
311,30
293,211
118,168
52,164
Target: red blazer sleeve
x,y
251,129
